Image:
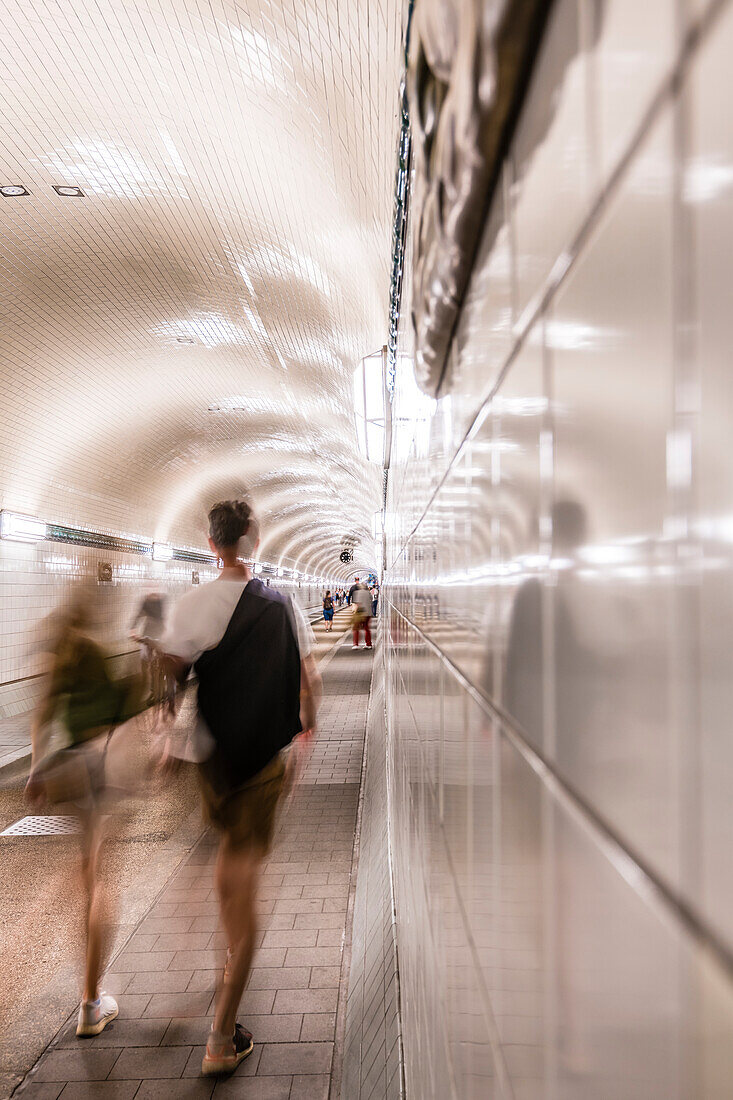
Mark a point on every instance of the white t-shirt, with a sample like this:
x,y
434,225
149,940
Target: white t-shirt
x,y
199,620
197,623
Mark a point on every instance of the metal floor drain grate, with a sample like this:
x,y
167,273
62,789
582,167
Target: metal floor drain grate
x,y
43,826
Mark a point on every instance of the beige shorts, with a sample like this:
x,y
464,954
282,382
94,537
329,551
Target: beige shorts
x,y
247,815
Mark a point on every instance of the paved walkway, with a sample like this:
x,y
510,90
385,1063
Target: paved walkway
x,y
165,976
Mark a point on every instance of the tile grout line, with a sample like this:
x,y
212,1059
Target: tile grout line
x,y
334,1092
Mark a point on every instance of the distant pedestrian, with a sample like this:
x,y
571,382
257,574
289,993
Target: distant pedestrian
x,y
375,599
362,602
353,589
328,611
146,627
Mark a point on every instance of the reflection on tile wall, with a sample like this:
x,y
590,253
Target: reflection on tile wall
x,y
559,589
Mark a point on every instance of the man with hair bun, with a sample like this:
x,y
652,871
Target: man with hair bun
x,y
258,688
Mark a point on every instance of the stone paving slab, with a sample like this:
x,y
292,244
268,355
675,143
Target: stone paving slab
x,y
166,974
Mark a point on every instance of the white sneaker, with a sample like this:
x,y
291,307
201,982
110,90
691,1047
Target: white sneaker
x,y
94,1017
354,647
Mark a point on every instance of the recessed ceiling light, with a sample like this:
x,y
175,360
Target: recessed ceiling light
x,y
68,192
184,340
13,190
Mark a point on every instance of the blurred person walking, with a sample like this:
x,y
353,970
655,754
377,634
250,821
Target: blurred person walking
x,y
352,590
146,627
328,611
150,616
90,704
258,688
361,598
375,599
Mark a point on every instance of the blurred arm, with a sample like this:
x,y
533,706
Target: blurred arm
x,y
41,726
41,734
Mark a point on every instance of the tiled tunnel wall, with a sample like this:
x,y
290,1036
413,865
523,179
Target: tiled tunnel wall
x,y
373,1067
36,578
559,593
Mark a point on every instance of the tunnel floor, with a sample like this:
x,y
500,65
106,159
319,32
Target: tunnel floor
x,y
165,974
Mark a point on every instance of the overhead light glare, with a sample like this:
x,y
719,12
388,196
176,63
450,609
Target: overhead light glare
x,y
68,191
369,407
13,190
162,551
20,528
185,340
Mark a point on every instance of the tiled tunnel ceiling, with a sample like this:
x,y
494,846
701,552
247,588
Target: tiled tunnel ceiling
x,y
189,327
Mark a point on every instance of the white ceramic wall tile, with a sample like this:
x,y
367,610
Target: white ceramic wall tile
x,y
566,561
709,192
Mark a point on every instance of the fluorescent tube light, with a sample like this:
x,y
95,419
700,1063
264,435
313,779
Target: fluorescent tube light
x,y
162,551
20,528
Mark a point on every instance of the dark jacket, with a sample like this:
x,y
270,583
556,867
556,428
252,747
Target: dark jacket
x,y
249,687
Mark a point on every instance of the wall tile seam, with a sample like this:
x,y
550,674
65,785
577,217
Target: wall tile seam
x,y
666,92
342,1071
670,908
392,894
371,986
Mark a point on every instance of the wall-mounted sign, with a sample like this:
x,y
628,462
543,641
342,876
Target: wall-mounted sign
x,y
467,69
195,576
104,571
346,556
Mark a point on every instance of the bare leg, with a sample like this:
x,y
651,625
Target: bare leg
x,y
237,873
96,914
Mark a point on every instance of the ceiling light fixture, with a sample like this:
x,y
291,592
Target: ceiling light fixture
x,y
19,528
369,406
68,191
162,551
13,190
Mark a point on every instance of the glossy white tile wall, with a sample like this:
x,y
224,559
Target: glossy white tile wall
x,y
560,582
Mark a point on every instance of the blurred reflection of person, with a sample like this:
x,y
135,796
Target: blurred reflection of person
x,y
574,674
81,692
523,679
